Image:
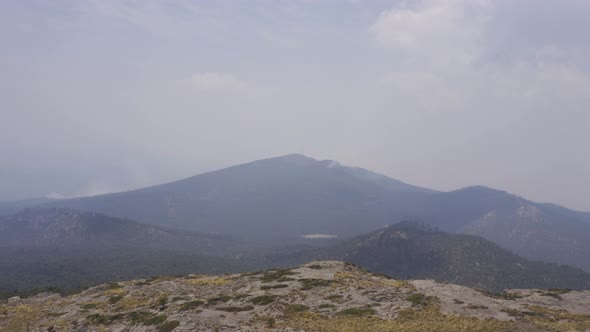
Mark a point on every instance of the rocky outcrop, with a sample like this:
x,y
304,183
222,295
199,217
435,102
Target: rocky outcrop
x,y
318,296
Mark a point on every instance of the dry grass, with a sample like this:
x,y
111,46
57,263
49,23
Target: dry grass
x,y
57,325
131,303
362,279
429,319
114,292
20,318
554,320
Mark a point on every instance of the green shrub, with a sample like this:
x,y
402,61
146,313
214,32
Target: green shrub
x,y
115,299
270,322
191,305
168,326
326,305
551,294
559,290
236,309
511,312
473,306
89,306
139,317
294,308
419,299
114,285
222,298
502,295
263,299
315,267
277,275
99,319
357,312
161,303
266,287
241,296
311,283
156,320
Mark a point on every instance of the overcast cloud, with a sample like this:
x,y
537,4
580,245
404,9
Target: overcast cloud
x,y
100,96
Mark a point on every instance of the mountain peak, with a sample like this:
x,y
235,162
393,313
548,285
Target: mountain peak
x,y
292,158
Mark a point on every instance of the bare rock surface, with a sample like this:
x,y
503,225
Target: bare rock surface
x,y
318,296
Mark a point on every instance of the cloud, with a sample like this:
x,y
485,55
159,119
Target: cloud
x,y
215,82
442,50
442,31
456,73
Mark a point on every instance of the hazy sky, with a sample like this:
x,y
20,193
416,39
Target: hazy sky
x,y
104,95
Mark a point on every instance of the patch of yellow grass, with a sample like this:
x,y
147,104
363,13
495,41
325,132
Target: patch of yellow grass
x,y
398,284
428,319
98,305
21,317
116,291
555,320
360,279
129,303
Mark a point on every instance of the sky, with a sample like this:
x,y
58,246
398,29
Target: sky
x,y
99,96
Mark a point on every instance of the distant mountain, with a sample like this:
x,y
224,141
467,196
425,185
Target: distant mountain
x,y
416,251
60,227
11,207
536,231
70,249
269,199
281,199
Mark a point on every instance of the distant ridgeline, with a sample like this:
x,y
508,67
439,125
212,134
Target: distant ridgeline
x,y
276,212
415,250
278,200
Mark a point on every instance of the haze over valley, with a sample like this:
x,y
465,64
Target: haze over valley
x,y
321,166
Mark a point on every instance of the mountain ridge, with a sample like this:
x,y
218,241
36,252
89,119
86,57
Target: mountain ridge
x,y
415,250
282,199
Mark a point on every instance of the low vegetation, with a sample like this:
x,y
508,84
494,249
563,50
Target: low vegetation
x,y
419,299
295,308
263,299
311,283
277,275
190,305
315,266
552,294
218,299
267,287
168,326
348,299
357,312
236,309
427,319
115,299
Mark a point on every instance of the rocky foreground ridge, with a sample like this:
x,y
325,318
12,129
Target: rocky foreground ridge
x,y
318,296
